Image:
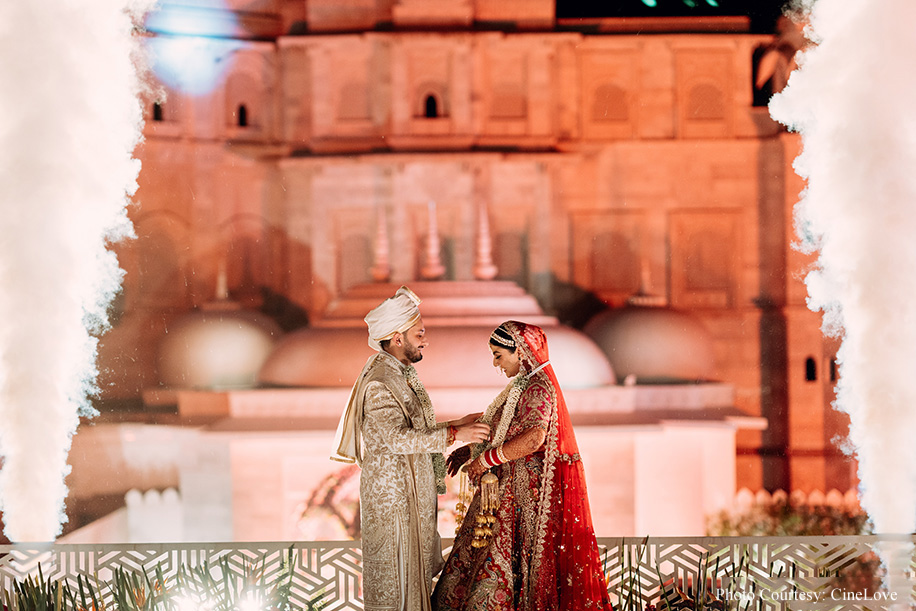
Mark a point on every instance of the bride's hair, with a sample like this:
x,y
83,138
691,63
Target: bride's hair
x,y
501,338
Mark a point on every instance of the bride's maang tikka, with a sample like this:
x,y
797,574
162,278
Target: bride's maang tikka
x,y
502,338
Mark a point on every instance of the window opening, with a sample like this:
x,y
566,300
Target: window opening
x,y
810,370
432,107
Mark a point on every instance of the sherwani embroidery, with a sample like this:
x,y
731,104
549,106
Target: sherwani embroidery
x,y
398,501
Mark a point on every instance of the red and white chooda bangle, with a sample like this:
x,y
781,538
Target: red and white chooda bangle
x,y
493,457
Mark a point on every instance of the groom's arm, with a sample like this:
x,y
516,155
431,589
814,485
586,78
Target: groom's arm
x,y
384,420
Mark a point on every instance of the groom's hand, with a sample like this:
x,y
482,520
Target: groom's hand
x,y
467,419
456,459
473,432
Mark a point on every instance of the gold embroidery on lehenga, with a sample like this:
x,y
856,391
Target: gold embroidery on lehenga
x,y
550,456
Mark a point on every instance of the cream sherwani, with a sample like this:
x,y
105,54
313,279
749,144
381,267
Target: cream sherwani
x,y
398,501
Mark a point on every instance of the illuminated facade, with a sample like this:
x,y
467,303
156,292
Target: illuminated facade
x,y
593,161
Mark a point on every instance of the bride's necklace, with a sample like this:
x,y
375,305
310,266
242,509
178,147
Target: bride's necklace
x,y
508,398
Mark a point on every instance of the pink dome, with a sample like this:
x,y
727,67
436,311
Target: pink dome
x,y
457,357
216,347
654,344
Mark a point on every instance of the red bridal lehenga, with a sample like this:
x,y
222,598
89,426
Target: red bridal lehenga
x,y
543,555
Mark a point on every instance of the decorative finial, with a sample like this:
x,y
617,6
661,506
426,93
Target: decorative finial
x,y
222,282
381,268
644,296
484,268
433,269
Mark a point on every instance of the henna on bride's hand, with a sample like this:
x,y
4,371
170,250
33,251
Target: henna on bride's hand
x,y
475,470
452,466
456,459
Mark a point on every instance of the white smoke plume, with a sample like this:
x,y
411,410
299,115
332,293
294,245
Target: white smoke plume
x,y
69,122
853,100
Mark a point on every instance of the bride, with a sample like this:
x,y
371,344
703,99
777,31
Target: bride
x,y
527,540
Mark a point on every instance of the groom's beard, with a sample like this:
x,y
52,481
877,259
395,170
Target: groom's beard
x,y
412,352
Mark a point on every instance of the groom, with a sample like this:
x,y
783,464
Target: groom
x,y
389,428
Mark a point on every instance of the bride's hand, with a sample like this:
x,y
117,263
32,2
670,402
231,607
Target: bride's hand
x,y
467,419
456,459
475,470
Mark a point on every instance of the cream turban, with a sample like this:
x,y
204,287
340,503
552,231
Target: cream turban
x,y
395,315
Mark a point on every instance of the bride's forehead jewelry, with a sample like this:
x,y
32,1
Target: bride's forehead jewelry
x,y
502,338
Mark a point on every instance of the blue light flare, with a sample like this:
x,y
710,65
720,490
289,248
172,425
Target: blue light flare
x,y
194,47
192,64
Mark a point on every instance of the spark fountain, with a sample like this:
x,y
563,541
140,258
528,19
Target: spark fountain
x,y
71,121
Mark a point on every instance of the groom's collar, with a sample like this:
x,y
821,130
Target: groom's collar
x,y
393,360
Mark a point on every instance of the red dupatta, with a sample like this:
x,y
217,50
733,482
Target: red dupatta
x,y
566,568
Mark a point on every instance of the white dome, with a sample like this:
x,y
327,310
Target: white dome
x,y
216,349
457,357
654,344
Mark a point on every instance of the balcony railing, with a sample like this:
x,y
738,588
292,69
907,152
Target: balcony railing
x,y
746,573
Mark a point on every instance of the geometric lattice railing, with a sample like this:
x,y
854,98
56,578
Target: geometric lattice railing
x,y
765,573
759,573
